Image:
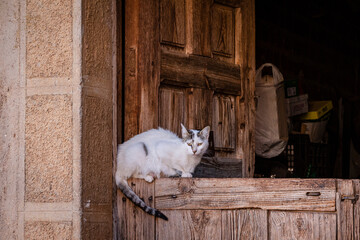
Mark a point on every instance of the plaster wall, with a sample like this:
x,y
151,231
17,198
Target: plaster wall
x,y
10,94
56,119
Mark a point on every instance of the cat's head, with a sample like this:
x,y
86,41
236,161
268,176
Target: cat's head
x,y
196,141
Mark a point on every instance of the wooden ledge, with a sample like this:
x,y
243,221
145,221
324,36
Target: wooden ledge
x,y
237,193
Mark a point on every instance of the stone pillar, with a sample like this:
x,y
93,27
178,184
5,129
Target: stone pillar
x,y
52,119
11,95
56,115
97,118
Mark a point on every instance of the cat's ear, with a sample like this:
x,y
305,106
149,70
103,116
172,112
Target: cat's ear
x,y
184,131
205,132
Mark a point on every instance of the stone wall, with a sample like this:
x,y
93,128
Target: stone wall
x,y
56,119
97,131
11,94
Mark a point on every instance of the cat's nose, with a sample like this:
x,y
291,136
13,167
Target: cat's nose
x,y
194,151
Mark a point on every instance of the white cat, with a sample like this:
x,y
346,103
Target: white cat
x,y
155,152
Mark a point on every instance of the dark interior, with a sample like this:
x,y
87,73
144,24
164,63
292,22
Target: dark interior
x,y
316,43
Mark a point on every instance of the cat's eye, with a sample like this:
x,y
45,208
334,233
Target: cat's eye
x,y
189,144
199,144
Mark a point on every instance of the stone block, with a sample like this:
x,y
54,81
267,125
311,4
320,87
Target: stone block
x,y
97,231
48,230
49,38
97,151
97,48
48,148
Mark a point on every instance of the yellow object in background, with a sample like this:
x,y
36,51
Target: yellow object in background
x,y
317,109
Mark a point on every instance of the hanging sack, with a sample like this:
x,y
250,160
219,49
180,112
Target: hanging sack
x,y
271,132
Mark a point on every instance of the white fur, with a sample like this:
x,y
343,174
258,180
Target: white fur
x,y
167,154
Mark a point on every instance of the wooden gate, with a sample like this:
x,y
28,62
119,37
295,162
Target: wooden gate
x,y
244,209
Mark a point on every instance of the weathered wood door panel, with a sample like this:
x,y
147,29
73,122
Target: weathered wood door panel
x,y
192,62
199,57
214,224
228,193
246,209
348,209
133,223
192,224
302,225
244,224
247,224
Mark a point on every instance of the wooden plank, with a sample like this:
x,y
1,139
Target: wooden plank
x,y
172,113
211,193
302,225
245,17
186,224
117,130
230,3
188,106
180,70
357,210
222,31
131,85
199,108
119,69
172,22
149,64
142,66
239,130
224,122
201,72
133,222
244,224
200,15
224,77
345,209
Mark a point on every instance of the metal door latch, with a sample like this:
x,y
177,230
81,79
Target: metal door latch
x,y
353,198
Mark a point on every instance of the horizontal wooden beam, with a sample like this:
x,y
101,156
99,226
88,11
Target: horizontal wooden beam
x,y
201,72
230,3
269,194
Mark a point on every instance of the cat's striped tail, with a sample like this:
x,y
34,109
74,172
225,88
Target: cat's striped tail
x,y
123,185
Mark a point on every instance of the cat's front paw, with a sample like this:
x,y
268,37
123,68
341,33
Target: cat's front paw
x,y
187,175
149,178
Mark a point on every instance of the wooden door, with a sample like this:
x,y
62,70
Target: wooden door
x,y
192,62
245,209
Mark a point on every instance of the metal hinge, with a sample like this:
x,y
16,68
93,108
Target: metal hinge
x,y
353,198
